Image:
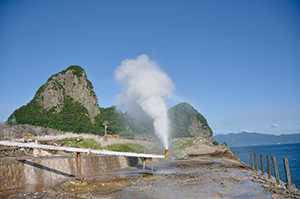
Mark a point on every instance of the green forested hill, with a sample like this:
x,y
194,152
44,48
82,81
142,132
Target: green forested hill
x,y
73,117
67,102
183,117
61,103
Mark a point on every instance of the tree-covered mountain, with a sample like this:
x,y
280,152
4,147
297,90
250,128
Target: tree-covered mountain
x,y
67,102
188,122
246,138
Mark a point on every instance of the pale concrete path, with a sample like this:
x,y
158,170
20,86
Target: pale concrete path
x,y
194,178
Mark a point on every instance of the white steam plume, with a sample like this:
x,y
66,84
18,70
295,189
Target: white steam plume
x,y
146,85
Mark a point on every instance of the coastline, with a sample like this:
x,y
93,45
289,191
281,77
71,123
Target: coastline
x,y
200,170
197,177
289,151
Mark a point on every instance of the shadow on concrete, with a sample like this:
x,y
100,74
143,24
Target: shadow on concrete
x,y
46,168
132,161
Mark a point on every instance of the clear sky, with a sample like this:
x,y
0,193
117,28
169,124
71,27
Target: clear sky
x,y
237,62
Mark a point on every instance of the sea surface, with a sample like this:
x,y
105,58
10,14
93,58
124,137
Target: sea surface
x,y
280,151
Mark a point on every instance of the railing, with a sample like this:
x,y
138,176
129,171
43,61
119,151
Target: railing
x,y
84,150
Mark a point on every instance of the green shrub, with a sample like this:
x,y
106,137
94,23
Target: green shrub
x,y
85,143
225,144
127,148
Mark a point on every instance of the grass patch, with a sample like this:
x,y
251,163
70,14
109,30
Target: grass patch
x,y
86,143
221,146
128,148
181,144
157,148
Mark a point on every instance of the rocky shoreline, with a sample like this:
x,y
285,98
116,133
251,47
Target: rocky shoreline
x,y
201,177
200,170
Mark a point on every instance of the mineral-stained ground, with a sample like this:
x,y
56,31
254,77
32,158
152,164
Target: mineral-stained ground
x,y
199,177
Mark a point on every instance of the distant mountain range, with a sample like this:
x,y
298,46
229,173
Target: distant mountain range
x,y
246,139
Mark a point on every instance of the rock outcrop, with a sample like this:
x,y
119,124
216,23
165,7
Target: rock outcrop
x,y
23,130
196,128
65,102
186,121
71,82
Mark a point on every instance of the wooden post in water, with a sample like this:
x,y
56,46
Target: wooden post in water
x,y
236,155
287,171
252,162
269,166
276,170
256,162
262,164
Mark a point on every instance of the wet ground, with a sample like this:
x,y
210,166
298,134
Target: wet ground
x,y
194,178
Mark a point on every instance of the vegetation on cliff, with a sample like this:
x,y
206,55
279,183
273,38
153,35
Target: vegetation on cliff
x,y
73,117
68,103
65,102
181,117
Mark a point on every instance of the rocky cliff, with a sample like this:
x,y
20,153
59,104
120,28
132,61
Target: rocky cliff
x,y
24,130
196,128
65,102
71,82
188,122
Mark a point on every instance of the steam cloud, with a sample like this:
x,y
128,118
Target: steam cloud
x,y
3,112
145,86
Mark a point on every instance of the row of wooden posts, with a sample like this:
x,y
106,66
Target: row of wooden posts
x,y
286,166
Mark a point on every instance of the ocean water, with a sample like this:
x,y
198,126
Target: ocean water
x,y
280,151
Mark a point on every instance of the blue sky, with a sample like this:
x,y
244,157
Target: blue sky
x,y
236,62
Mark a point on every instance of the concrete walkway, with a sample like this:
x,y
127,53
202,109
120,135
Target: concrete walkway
x,y
193,178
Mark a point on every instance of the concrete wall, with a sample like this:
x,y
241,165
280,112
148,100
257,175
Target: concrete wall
x,y
54,169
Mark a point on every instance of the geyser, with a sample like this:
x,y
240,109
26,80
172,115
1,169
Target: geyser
x,y
146,85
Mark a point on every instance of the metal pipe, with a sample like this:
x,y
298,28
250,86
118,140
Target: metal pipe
x,y
151,166
144,164
81,150
80,171
166,153
76,168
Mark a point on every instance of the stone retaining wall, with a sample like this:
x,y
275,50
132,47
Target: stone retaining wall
x,y
15,172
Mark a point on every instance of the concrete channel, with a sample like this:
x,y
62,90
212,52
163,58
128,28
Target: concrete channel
x,y
19,171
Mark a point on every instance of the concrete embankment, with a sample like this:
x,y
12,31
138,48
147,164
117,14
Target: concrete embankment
x,y
15,172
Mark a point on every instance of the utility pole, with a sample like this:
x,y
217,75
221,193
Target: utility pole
x,y
105,123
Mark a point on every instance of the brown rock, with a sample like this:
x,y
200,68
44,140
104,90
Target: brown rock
x,y
71,82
